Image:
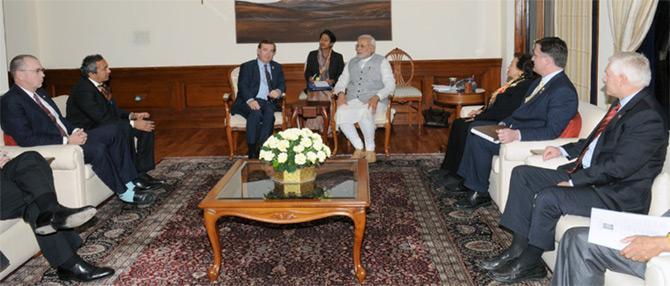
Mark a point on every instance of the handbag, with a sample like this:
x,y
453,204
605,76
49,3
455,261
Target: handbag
x,y
436,117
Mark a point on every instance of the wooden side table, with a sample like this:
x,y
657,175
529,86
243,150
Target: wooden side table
x,y
456,101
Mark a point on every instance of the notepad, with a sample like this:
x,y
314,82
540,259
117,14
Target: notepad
x,y
488,132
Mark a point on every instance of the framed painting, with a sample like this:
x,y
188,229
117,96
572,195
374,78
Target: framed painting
x,y
294,21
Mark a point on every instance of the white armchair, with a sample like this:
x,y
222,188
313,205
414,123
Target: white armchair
x,y
76,185
515,153
658,269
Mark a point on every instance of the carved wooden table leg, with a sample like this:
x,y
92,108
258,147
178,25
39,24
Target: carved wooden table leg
x,y
359,223
213,233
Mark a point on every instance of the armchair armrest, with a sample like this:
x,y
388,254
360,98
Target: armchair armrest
x,y
658,271
226,97
66,157
537,161
466,109
520,150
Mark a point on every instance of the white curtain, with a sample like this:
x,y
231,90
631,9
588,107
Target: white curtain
x,y
630,20
573,24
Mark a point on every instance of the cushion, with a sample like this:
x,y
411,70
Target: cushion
x,y
569,221
238,121
406,91
9,141
8,223
573,128
380,117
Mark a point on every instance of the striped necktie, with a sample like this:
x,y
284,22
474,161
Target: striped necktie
x,y
601,127
537,90
51,116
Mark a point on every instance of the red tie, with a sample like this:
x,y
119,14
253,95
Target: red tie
x,y
601,126
51,116
103,89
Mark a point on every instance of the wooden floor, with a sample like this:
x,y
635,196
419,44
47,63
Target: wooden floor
x,y
180,142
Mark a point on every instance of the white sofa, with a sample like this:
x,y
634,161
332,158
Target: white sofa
x,y
515,153
658,269
76,186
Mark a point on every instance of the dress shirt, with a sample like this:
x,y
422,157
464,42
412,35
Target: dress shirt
x,y
51,110
387,78
263,89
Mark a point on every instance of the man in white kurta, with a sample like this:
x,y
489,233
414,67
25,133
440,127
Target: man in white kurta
x,y
368,82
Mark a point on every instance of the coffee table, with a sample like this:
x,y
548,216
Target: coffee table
x,y
245,191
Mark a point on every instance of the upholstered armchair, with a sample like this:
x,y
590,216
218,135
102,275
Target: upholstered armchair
x,y
237,123
515,153
382,120
411,98
76,186
658,268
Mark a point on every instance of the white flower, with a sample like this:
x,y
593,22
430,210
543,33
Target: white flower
x,y
317,145
283,145
290,134
326,150
316,137
300,159
305,142
281,158
298,149
321,156
311,156
266,155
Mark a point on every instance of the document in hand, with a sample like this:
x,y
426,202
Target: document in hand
x,y
608,227
318,85
488,132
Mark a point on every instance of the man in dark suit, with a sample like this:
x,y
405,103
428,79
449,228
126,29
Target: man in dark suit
x,y
550,104
614,169
91,105
260,89
31,118
27,191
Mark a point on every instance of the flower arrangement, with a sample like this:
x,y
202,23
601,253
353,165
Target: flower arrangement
x,y
294,149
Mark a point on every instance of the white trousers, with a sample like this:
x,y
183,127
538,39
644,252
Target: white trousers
x,y
354,112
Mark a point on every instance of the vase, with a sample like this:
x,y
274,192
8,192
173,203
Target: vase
x,y
300,182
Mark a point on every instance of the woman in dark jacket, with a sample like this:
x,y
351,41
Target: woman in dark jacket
x,y
501,104
324,64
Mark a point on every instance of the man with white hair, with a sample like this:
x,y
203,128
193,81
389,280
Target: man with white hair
x,y
614,169
368,82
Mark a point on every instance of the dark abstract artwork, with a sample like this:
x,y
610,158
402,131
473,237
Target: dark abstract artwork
x,y
293,21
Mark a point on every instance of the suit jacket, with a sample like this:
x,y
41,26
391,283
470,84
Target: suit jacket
x,y
548,113
248,84
506,102
87,107
26,122
628,156
334,69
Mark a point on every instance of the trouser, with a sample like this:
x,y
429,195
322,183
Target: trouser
x,y
27,190
475,166
107,150
535,204
582,263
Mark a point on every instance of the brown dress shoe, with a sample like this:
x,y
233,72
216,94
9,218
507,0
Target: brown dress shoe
x,y
370,156
358,154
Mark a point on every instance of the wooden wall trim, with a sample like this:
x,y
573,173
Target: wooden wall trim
x,y
191,95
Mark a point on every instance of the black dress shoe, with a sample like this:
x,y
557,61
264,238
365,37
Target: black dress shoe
x,y
438,174
142,185
63,218
516,271
473,200
452,183
142,198
83,271
500,260
151,180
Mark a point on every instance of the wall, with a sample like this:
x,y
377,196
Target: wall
x,y
4,85
144,33
605,49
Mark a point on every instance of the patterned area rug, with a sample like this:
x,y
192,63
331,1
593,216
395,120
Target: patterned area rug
x,y
413,236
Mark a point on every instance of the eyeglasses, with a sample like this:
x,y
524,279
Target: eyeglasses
x,y
40,70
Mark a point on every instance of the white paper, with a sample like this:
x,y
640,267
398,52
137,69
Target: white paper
x,y
483,135
321,83
609,228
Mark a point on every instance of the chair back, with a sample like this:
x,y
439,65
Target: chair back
x,y
234,75
403,66
61,102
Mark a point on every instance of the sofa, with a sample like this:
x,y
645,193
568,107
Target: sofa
x,y
515,153
76,186
658,268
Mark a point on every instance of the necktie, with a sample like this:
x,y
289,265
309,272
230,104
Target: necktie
x,y
105,92
51,116
601,126
268,77
537,90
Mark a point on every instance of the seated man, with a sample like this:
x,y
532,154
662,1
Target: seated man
x,y
91,105
368,82
27,190
31,118
259,95
581,262
615,168
548,107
